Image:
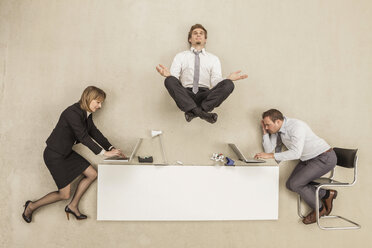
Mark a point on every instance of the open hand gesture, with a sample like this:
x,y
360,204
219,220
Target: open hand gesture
x,y
163,70
235,76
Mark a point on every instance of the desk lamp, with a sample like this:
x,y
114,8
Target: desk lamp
x,y
159,133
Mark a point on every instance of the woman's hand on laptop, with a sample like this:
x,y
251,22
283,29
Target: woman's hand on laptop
x,y
122,154
114,153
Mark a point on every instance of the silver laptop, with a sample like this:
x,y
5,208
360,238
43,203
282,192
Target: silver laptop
x,y
242,157
126,159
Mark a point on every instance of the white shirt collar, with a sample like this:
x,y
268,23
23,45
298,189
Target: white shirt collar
x,y
192,49
282,128
88,113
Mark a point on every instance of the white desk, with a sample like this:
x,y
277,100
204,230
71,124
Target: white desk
x,y
152,193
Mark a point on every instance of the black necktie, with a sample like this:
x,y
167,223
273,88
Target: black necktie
x,y
279,143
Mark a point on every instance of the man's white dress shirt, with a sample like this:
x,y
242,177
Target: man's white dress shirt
x,y
210,68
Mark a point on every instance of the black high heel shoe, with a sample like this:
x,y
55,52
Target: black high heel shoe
x,y
69,211
27,219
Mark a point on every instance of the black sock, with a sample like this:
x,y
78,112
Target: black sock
x,y
321,208
326,195
197,111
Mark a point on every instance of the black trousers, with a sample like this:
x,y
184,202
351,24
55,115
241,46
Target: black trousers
x,y
205,98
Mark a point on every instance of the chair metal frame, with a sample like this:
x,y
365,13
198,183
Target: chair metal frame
x,y
330,182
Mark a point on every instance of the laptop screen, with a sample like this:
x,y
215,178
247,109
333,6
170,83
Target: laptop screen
x,y
237,152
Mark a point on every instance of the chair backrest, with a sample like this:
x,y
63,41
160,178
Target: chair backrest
x,y
345,157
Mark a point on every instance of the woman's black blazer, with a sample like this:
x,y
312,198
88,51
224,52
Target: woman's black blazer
x,y
74,127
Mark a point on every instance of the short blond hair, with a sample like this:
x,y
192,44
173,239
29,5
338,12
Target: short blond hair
x,y
89,94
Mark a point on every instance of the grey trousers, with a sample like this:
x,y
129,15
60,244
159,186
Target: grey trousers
x,y
307,171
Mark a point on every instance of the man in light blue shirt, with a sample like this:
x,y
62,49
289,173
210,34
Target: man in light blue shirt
x,y
316,157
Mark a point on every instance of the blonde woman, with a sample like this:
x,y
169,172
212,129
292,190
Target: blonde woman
x,y
75,125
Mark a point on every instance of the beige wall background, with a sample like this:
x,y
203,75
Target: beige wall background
x,y
310,59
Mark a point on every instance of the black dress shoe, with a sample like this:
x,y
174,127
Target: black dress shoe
x,y
209,117
189,116
69,211
27,219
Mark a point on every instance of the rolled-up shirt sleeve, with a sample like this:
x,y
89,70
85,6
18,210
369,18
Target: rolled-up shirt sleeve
x,y
296,146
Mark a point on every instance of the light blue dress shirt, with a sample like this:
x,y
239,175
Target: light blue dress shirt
x,y
302,143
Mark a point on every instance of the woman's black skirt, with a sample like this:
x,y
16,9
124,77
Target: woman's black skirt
x,y
64,169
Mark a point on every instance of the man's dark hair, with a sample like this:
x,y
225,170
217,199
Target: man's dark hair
x,y
195,27
274,115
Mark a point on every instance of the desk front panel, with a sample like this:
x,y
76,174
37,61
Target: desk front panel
x,y
171,193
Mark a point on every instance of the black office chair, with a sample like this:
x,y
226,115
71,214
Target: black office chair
x,y
346,158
